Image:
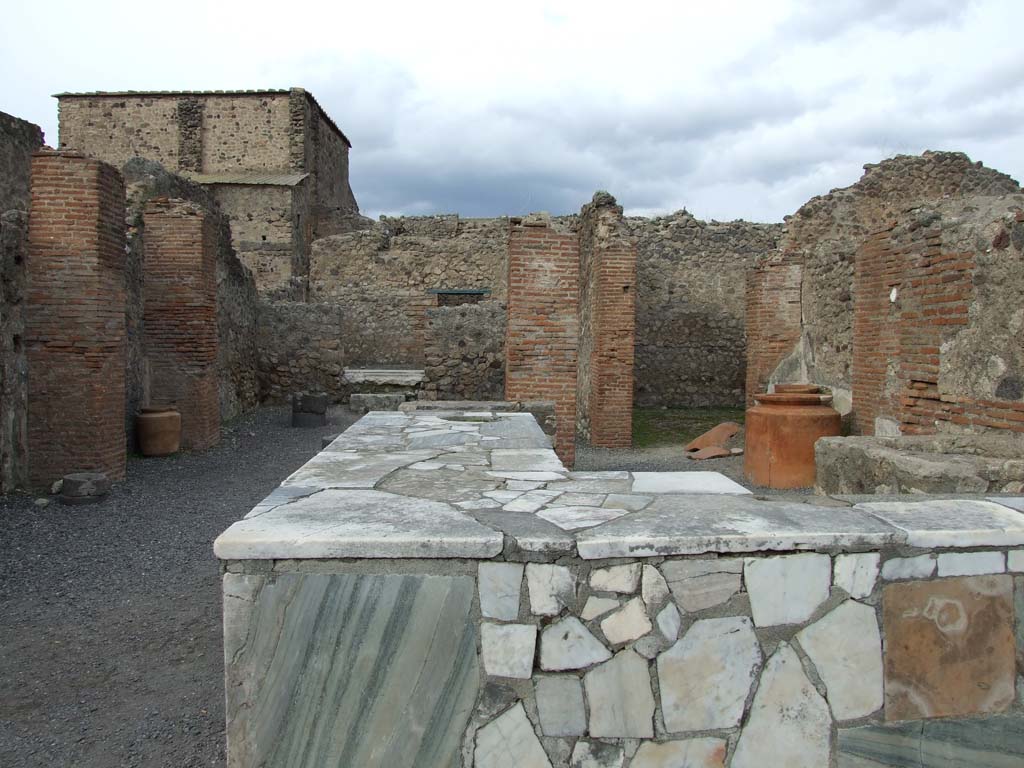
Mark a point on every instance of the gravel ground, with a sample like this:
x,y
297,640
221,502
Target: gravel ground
x,y
110,647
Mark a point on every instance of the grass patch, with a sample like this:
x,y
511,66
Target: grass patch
x,y
677,426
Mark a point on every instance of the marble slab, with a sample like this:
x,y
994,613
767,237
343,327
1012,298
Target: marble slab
x,y
685,482
335,469
685,525
358,523
951,522
378,671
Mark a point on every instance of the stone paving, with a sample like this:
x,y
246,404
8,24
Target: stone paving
x,y
612,618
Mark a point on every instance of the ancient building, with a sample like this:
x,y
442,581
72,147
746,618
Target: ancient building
x,y
275,162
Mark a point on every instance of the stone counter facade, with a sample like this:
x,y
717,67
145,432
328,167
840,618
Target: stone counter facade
x,y
434,589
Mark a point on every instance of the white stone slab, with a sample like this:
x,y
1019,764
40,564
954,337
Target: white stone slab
x,y
788,720
700,584
598,606
1013,502
478,504
669,622
509,741
536,477
409,377
567,644
503,496
526,460
920,567
706,676
523,485
627,623
500,585
705,752
846,649
787,589
1015,560
560,705
552,588
683,525
633,502
508,649
579,500
530,501
359,524
623,579
685,482
340,469
575,518
856,573
971,563
951,522
653,587
620,698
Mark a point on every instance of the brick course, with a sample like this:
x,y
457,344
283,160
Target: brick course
x,y
180,337
75,318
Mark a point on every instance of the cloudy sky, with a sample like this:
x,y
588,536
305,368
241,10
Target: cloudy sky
x,y
731,109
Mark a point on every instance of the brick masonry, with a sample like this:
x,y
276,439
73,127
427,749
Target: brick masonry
x,y
773,318
181,339
75,318
543,324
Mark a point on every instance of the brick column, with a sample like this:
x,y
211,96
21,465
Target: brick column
x,y
773,319
180,318
543,325
75,318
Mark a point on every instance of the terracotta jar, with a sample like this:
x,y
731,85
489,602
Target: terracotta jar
x,y
781,431
159,431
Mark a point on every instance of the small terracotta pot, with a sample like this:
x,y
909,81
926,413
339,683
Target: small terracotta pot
x,y
159,431
781,431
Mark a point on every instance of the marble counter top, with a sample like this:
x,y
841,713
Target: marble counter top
x,y
474,484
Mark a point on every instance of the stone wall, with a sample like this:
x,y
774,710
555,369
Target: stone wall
x,y
690,337
75,318
825,234
180,316
542,340
18,140
937,342
604,392
465,352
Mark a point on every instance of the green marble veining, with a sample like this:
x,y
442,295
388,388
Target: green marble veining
x,y
326,670
990,742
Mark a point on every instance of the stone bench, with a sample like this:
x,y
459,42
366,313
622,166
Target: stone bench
x,y
435,588
408,378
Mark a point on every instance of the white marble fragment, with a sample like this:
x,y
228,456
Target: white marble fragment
x,y
552,588
530,501
951,522
573,518
535,477
856,573
503,496
787,589
971,563
579,500
509,741
478,504
788,720
567,644
700,584
426,465
508,649
669,621
846,649
500,585
627,623
653,587
598,606
560,705
618,578
685,482
596,754
920,567
706,676
634,502
620,698
686,753
526,459
523,485
1015,560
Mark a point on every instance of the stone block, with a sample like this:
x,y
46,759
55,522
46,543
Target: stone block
x,y
499,585
620,698
619,578
560,705
508,649
856,573
567,644
700,584
971,563
787,589
552,588
949,647
627,623
364,402
508,741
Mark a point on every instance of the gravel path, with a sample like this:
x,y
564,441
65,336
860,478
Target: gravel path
x,y
110,634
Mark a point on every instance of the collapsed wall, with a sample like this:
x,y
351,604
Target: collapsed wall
x,y
18,141
818,250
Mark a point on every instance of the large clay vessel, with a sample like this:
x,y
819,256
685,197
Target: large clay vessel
x,y
781,431
159,431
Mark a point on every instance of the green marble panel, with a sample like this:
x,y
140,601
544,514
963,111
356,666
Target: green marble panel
x,y
326,670
989,742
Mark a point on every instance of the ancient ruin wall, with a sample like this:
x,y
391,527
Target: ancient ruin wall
x,y
604,402
75,318
825,233
18,140
543,323
180,294
465,352
690,326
